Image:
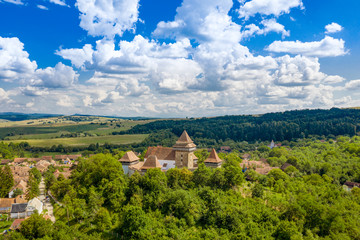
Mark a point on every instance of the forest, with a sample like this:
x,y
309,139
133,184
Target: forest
x,y
306,200
280,126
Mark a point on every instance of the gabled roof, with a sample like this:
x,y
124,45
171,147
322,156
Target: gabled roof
x,y
213,158
6,202
4,161
19,160
184,141
18,207
16,224
151,162
162,153
129,157
21,185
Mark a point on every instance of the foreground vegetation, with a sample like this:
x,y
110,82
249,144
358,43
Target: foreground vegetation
x,y
305,201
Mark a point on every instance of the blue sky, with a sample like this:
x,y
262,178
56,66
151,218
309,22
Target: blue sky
x,y
178,58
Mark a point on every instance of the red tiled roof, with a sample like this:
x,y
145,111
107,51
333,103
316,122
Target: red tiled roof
x,y
162,153
19,160
16,224
213,158
129,157
184,141
151,162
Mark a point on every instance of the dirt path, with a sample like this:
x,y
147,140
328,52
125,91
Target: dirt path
x,y
47,205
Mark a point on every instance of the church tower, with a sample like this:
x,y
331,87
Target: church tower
x,y
184,151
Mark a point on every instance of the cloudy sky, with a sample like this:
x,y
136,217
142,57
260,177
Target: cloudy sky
x,y
178,58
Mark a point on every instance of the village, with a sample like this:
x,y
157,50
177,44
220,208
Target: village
x,y
17,207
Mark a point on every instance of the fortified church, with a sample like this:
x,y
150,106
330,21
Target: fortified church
x,y
180,155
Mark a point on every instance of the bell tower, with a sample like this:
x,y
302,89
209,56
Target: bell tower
x,y
184,151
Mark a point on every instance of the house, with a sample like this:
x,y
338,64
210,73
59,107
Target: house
x,y
66,173
22,185
17,224
23,210
19,160
180,155
5,204
213,160
4,161
47,158
67,157
18,210
34,204
128,159
350,185
225,149
246,156
34,159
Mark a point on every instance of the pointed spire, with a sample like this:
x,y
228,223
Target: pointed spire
x,y
184,141
185,138
129,157
151,162
213,158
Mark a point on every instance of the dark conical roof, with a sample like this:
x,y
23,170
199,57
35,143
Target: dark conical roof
x,y
213,158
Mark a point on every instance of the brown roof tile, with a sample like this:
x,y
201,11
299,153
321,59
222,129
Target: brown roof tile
x,y
19,160
162,153
129,157
184,141
213,158
6,202
151,162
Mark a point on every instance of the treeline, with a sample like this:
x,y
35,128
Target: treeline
x,y
282,126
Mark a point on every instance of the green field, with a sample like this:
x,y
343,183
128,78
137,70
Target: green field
x,y
84,141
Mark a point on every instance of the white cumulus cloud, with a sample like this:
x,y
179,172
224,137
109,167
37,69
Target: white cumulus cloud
x,y
267,7
108,17
327,47
333,28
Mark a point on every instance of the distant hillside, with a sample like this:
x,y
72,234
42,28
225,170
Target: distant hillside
x,y
13,116
281,126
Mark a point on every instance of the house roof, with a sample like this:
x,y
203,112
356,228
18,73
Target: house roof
x,y
184,141
16,224
19,160
18,207
213,158
151,162
162,153
71,157
34,159
136,166
46,158
36,203
6,202
21,185
4,161
352,184
129,157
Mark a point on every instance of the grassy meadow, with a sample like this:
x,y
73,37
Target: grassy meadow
x,y
84,141
52,131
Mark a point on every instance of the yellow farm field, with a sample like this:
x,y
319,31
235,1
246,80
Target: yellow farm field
x,y
84,141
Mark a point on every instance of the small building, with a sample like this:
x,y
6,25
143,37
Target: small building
x,y
128,159
22,185
23,210
67,157
272,144
350,185
4,161
18,210
16,224
19,160
151,162
213,160
5,204
225,149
